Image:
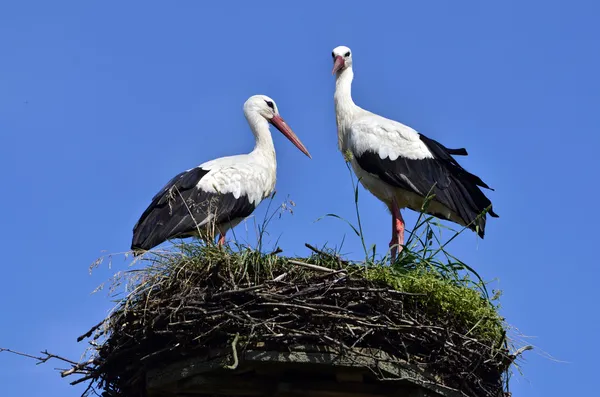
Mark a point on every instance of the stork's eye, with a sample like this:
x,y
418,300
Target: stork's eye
x,y
333,54
270,104
347,54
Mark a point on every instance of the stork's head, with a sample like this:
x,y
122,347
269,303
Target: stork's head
x,y
265,107
342,59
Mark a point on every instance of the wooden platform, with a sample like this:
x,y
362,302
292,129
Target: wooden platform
x,y
303,371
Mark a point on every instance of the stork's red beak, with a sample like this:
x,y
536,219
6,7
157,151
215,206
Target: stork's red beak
x,y
285,129
338,64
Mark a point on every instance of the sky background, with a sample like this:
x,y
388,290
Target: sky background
x,y
101,103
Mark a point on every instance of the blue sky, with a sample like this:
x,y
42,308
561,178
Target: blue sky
x,y
102,102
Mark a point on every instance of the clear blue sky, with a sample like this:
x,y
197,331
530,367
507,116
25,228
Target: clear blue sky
x,y
102,102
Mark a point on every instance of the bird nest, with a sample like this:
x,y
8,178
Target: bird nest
x,y
203,296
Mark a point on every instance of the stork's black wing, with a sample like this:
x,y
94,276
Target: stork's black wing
x,y
180,207
453,186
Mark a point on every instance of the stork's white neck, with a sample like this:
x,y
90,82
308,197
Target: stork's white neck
x,y
345,108
343,90
264,141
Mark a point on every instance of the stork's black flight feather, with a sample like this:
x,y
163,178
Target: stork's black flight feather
x,y
455,188
180,207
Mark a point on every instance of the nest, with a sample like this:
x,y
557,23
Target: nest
x,y
202,298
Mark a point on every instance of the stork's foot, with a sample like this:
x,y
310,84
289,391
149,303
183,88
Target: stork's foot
x,y
221,239
397,241
395,248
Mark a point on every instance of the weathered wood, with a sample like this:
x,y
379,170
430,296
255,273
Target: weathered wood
x,y
349,376
304,371
225,385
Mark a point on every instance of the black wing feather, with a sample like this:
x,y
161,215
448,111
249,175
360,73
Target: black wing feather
x,y
455,188
458,152
170,213
444,155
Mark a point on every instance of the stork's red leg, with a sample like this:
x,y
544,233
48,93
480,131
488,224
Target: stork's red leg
x,y
400,230
222,239
397,231
393,240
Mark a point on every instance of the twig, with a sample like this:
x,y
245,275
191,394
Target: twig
x,y
341,271
520,351
280,277
276,251
313,267
235,291
40,360
77,368
80,380
90,332
288,305
362,337
323,253
158,352
367,289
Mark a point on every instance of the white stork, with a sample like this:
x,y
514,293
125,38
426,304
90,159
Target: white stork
x,y
399,166
221,192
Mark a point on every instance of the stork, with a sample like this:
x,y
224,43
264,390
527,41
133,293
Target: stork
x,y
400,167
220,192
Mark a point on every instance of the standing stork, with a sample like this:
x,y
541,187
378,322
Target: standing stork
x,y
400,167
220,192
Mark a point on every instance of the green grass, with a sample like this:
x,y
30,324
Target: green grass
x,y
443,297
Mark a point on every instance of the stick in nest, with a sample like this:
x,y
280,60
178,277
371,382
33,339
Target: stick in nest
x,y
323,253
313,267
48,356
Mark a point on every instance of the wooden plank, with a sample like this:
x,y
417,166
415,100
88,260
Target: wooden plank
x,y
224,385
205,374
349,376
332,389
160,377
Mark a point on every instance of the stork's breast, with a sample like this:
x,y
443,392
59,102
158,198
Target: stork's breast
x,y
373,184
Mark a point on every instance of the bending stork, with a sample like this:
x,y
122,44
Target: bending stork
x,y
400,166
220,192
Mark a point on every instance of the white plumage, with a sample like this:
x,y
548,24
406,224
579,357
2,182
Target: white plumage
x,y
400,166
243,175
220,192
390,138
